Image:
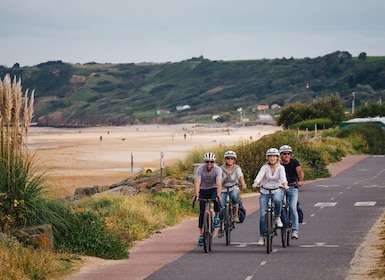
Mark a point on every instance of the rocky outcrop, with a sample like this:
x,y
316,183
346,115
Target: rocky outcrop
x,y
135,186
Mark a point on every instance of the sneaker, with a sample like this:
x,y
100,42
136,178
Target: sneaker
x,y
261,241
279,222
236,219
217,222
220,233
201,240
294,234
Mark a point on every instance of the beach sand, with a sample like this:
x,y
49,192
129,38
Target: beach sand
x,y
86,157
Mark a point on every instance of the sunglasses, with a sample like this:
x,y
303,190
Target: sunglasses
x,y
231,158
286,154
209,161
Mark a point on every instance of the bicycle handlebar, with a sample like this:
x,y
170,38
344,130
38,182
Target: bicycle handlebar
x,y
279,187
202,199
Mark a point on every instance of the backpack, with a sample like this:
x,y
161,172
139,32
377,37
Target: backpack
x,y
300,213
241,212
285,219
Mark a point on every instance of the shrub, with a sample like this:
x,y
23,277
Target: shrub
x,y
312,124
373,135
90,236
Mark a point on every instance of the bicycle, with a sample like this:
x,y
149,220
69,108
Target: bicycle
x,y
270,226
208,224
228,215
287,227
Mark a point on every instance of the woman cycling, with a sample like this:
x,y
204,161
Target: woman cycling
x,y
271,176
231,174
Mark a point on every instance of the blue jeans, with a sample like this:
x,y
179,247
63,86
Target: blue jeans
x,y
263,201
293,199
234,196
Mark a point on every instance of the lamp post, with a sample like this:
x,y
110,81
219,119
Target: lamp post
x,y
354,97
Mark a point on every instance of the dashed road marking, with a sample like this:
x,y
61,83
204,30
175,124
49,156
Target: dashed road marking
x,y
365,203
319,244
325,204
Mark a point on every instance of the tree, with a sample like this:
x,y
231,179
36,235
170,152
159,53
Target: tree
x,y
362,56
330,107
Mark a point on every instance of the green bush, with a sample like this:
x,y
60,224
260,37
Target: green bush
x,y
90,236
312,124
373,135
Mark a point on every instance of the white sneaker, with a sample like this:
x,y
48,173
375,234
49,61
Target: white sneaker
x,y
236,219
294,234
261,241
279,222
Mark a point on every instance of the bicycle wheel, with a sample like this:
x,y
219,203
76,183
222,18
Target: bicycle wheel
x,y
289,228
211,232
206,232
284,237
269,231
227,223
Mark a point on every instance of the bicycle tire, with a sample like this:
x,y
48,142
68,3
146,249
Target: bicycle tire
x,y
269,231
227,222
284,235
206,232
211,232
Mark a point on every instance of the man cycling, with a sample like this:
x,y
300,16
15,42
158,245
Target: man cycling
x,y
295,177
208,184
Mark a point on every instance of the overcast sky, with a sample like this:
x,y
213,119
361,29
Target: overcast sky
x,y
125,31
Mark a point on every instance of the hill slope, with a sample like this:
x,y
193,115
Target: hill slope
x,y
119,94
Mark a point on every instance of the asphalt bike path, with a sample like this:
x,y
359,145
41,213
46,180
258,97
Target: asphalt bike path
x,y
172,243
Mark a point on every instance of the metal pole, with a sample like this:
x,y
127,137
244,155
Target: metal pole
x,y
354,97
161,170
132,163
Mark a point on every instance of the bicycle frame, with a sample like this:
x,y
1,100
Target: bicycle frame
x,y
228,215
208,224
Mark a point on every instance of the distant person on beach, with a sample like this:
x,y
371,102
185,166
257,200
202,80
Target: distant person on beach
x,y
232,175
208,184
295,177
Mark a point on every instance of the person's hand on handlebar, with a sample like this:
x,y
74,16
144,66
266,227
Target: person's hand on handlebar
x,y
255,185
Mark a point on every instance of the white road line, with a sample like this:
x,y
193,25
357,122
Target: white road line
x,y
365,203
325,204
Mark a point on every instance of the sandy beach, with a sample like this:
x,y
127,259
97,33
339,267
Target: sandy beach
x,y
87,157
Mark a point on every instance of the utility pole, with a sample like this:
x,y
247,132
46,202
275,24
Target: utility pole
x,y
354,97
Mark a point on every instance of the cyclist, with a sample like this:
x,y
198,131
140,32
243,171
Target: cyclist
x,y
295,177
270,176
231,174
208,184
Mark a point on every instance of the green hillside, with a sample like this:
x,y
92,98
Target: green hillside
x,y
120,94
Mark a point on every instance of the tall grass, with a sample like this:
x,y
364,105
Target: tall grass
x,y
18,187
22,190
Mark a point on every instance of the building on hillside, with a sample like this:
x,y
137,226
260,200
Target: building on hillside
x,y
275,106
264,117
162,112
181,108
375,120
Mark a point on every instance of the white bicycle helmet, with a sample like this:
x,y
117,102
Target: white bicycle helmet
x,y
230,154
272,152
209,157
285,149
